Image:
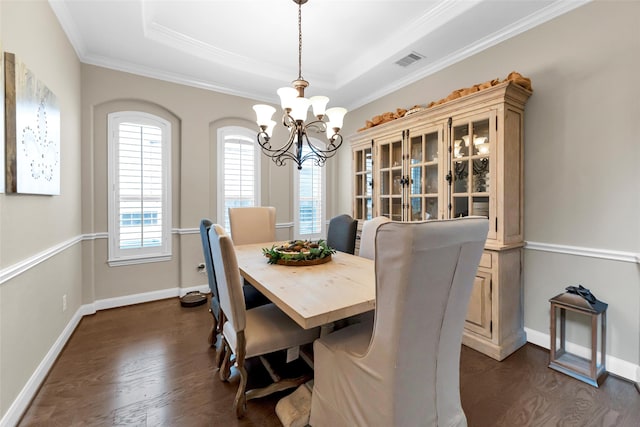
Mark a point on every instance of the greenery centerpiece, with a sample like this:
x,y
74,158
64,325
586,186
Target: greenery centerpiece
x,y
299,253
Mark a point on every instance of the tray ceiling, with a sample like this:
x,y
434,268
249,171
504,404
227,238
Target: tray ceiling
x,y
250,47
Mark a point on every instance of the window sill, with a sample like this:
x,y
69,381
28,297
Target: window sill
x,y
138,260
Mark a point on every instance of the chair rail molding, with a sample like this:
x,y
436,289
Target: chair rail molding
x,y
20,267
585,252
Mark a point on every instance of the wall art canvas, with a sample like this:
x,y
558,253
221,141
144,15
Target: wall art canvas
x,y
32,129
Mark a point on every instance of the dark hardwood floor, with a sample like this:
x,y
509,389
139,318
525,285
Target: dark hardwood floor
x,y
150,365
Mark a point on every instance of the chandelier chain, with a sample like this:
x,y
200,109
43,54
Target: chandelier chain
x,y
300,41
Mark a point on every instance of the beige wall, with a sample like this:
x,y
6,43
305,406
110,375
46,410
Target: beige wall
x,y
31,316
581,154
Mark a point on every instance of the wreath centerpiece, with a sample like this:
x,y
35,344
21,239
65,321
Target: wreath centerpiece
x,y
299,253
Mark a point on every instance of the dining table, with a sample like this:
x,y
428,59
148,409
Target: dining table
x,y
312,295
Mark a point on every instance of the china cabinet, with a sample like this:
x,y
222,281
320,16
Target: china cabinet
x,y
460,158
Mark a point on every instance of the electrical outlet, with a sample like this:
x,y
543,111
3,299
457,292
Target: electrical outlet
x,y
64,302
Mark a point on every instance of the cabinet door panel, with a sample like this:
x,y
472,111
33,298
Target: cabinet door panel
x,y
479,311
388,195
363,181
424,173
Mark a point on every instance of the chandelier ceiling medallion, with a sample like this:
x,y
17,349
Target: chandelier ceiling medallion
x,y
295,107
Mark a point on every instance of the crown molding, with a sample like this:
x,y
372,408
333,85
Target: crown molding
x,y
61,11
550,12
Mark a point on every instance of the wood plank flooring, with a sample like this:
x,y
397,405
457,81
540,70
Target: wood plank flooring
x,y
150,365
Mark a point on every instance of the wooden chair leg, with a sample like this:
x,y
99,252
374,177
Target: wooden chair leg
x,y
225,369
221,350
240,403
213,334
220,355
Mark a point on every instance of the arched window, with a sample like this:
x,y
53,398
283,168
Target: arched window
x,y
139,182
309,199
238,170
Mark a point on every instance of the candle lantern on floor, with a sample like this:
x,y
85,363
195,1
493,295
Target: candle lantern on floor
x,y
579,300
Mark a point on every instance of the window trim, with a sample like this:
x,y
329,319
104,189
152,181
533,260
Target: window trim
x,y
296,199
116,255
222,133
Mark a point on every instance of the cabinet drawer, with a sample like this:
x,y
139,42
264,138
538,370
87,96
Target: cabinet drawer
x,y
485,260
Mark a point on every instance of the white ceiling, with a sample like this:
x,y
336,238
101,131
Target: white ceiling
x,y
250,47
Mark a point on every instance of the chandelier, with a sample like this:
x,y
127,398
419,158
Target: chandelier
x,y
295,107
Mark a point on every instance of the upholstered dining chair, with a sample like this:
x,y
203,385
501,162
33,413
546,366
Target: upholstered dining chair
x,y
341,234
252,297
404,372
368,236
214,308
250,333
255,224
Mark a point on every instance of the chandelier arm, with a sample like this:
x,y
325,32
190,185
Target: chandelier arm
x,y
318,154
281,154
334,142
318,126
265,144
287,120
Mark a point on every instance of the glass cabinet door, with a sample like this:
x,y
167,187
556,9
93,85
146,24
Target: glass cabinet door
x,y
390,178
363,191
423,174
471,167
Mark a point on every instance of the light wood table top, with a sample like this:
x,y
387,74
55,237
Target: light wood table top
x,y
312,295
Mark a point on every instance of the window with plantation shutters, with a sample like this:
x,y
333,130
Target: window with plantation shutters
x,y
139,184
238,171
309,199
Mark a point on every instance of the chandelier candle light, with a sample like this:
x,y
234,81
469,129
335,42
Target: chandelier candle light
x,y
295,107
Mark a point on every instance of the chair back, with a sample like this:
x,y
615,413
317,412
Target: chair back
x,y
424,276
368,236
255,224
341,234
205,225
227,277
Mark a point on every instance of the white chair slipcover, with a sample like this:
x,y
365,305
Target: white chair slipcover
x,y
406,371
368,235
252,224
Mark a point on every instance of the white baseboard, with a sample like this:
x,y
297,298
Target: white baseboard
x,y
28,392
616,366
21,403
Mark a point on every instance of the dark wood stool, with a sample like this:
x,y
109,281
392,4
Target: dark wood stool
x,y
590,371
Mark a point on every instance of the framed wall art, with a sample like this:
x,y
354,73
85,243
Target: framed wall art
x,y
32,130
1,119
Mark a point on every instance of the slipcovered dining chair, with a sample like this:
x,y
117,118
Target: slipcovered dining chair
x,y
256,224
252,297
249,333
404,372
341,234
368,236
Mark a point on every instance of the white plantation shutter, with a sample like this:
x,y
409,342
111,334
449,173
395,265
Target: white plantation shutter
x,y
140,223
238,170
309,202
